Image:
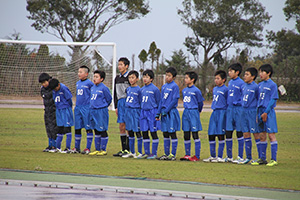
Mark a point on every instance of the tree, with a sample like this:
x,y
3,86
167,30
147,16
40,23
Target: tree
x,y
179,61
216,25
82,21
143,56
152,54
292,10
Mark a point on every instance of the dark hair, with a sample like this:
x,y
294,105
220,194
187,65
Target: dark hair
x,y
149,72
266,68
84,67
172,70
125,61
44,77
192,75
236,67
252,71
53,83
222,74
133,72
101,73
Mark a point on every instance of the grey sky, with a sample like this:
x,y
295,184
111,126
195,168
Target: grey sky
x,y
162,25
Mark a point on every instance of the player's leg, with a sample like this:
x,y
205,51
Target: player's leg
x,y
131,141
77,141
59,138
78,126
212,148
257,142
155,142
139,142
197,144
48,131
274,148
146,141
89,141
187,145
220,149
174,141
248,148
97,143
167,144
228,133
103,143
68,133
239,133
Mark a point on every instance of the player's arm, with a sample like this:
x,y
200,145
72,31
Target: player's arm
x,y
264,116
158,102
107,96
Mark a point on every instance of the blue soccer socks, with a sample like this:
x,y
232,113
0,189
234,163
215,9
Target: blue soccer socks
x,y
274,148
155,146
167,144
221,148
53,143
197,148
140,145
89,140
97,142
212,147
174,146
257,141
59,139
103,143
68,140
77,141
147,146
248,147
131,144
187,146
263,147
240,146
229,147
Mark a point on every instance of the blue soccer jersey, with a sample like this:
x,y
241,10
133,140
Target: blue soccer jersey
x,y
267,91
169,97
250,95
100,96
150,97
220,95
62,97
192,97
133,99
235,92
83,92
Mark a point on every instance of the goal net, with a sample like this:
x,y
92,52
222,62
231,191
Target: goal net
x,y
21,63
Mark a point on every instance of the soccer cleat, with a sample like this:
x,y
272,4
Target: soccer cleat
x,y
94,153
259,162
163,157
218,160
47,149
66,151
272,163
209,159
186,158
74,150
119,154
238,160
138,156
151,157
143,156
171,157
228,159
194,158
53,150
102,153
125,152
129,155
85,151
244,162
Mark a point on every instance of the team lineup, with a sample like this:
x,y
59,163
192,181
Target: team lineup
x,y
243,106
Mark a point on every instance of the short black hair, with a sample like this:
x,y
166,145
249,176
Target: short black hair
x,y
44,77
236,67
192,75
149,72
53,83
172,70
252,71
266,68
133,72
222,74
101,73
124,60
85,67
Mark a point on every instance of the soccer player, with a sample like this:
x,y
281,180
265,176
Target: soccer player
x,y
249,104
64,114
193,104
82,110
49,114
121,84
100,100
132,117
217,122
149,105
267,123
170,119
233,113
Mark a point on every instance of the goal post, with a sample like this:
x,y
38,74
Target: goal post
x,y
21,62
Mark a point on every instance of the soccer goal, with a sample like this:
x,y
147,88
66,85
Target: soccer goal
x,y
21,63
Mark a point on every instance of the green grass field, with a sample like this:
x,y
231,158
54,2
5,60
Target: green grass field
x,y
23,137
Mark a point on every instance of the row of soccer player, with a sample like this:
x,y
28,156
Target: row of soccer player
x,y
148,109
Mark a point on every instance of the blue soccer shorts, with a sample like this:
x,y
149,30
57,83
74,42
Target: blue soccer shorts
x,y
64,117
121,110
148,121
233,118
270,126
217,122
82,117
191,120
132,119
249,124
171,121
99,119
